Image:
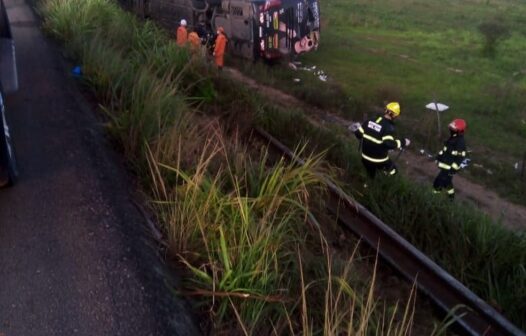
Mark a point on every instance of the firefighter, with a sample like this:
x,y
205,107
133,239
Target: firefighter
x,y
450,158
182,34
219,49
195,41
377,138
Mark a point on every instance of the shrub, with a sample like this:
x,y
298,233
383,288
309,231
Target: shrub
x,y
493,32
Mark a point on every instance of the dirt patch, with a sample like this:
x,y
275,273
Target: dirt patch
x,y
416,166
502,211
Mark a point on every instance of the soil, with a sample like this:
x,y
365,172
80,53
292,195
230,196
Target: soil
x,y
414,165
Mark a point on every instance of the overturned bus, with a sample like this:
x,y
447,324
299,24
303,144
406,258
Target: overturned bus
x,y
268,29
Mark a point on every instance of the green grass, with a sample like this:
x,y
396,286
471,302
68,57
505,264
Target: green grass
x,y
217,200
235,219
413,51
487,258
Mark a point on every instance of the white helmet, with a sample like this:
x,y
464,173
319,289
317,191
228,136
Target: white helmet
x,y
183,22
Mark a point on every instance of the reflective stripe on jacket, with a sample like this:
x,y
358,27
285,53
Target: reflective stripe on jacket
x,y
453,153
378,138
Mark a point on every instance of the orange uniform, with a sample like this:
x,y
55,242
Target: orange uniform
x,y
194,40
219,50
182,36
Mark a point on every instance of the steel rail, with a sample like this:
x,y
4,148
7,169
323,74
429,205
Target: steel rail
x,y
472,314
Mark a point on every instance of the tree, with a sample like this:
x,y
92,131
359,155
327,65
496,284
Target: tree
x,y
494,32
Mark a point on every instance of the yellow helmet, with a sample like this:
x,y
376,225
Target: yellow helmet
x,y
394,107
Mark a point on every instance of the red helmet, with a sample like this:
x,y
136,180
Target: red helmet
x,y
458,125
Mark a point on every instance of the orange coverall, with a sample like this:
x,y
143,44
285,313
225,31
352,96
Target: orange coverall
x,y
219,50
182,36
194,40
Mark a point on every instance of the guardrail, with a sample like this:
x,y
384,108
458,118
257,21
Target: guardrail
x,y
470,312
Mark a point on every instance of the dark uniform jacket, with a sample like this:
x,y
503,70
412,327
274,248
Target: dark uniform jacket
x,y
377,139
453,153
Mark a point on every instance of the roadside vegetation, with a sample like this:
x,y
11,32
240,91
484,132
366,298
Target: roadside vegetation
x,y
240,225
466,54
485,256
235,220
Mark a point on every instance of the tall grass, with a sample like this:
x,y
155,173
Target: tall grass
x,y
238,225
486,257
146,83
234,218
218,205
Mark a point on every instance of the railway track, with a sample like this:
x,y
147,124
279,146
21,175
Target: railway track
x,y
472,314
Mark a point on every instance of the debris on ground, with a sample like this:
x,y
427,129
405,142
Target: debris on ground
x,y
321,75
314,69
424,152
488,171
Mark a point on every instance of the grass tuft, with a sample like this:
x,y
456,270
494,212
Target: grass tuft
x,y
234,218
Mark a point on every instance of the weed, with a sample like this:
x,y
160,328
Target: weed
x,y
235,219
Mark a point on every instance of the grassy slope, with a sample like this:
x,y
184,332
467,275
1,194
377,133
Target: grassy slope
x,y
413,51
487,258
365,44
124,80
235,221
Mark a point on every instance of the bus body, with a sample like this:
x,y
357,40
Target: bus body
x,y
266,29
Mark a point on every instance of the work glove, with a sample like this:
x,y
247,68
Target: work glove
x,y
407,142
354,127
465,163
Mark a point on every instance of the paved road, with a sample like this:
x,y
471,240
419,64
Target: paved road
x,y
75,257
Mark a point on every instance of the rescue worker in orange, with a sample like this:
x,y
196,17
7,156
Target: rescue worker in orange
x,y
182,34
219,49
195,41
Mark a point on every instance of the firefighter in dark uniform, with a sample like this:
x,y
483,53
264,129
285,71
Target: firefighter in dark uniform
x,y
377,138
450,158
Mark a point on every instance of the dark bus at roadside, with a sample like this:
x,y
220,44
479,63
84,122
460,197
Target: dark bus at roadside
x,y
267,29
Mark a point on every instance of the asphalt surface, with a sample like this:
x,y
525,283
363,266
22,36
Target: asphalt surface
x,y
76,257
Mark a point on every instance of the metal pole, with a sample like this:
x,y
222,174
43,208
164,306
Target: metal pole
x,y
438,121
